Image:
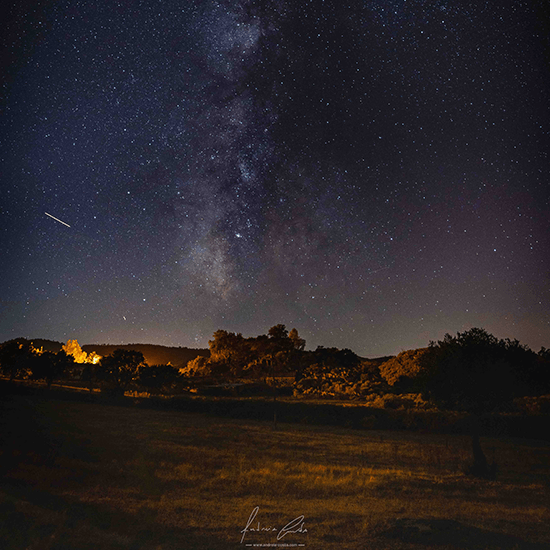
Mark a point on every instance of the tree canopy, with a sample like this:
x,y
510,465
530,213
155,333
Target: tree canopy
x,y
234,355
49,366
404,370
119,369
14,357
476,372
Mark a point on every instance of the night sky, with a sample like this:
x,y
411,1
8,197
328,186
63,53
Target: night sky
x,y
373,173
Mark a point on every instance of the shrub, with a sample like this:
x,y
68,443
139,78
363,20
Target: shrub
x,y
404,370
408,401
533,405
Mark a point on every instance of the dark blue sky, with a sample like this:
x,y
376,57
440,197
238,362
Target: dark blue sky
x,y
372,173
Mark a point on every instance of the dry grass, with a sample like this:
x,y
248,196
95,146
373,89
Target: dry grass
x,y
79,475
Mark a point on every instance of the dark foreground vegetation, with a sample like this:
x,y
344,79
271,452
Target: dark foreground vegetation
x,y
290,410
81,473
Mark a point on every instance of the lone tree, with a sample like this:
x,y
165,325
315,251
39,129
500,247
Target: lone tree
x,y
15,357
72,347
228,352
158,378
120,369
297,342
49,366
471,372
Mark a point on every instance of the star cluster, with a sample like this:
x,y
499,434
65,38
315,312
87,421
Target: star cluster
x,y
374,173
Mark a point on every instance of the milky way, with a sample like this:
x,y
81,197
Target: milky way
x,y
372,173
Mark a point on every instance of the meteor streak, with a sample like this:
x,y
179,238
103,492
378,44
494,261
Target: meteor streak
x,y
57,219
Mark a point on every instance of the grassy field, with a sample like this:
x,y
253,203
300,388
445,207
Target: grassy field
x,y
83,475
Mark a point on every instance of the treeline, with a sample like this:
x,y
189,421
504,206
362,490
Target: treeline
x,y
278,352
472,371
122,370
152,353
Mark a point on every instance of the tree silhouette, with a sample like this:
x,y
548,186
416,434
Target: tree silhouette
x,y
470,372
49,366
228,352
298,343
278,332
89,375
120,369
158,378
15,356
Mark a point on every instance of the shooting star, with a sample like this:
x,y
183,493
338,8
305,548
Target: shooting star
x,y
57,219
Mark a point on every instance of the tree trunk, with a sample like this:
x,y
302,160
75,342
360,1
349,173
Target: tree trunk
x,y
479,466
275,409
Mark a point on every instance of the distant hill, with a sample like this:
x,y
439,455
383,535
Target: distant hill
x,y
153,354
